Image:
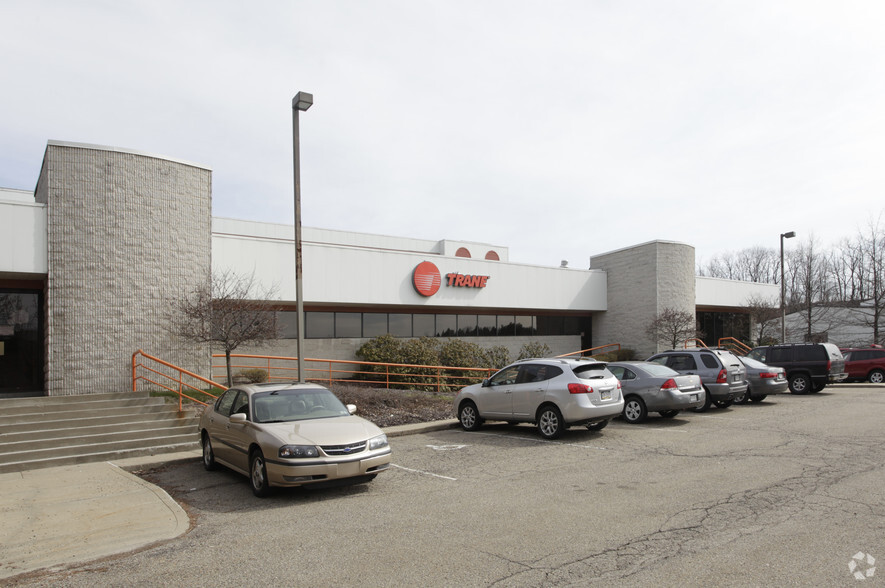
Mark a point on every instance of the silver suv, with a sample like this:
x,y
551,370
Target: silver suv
x,y
723,375
552,393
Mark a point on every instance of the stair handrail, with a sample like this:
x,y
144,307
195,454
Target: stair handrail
x,y
182,385
731,342
583,352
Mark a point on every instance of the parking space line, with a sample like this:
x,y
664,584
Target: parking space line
x,y
537,440
423,472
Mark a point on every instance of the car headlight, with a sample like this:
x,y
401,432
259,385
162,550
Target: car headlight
x,y
377,442
298,451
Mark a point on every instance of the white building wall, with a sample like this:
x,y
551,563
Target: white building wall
x,y
22,233
374,274
732,293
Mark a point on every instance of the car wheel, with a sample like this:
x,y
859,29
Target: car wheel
x,y
743,398
758,398
469,416
634,410
708,400
258,474
668,414
799,384
876,377
724,403
550,423
598,425
208,454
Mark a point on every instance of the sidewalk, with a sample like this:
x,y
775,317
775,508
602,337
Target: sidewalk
x,y
55,517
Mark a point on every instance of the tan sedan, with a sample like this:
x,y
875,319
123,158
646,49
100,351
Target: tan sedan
x,y
291,435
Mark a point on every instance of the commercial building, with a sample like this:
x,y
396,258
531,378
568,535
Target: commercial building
x,y
91,260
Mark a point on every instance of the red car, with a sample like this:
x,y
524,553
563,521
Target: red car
x,y
865,364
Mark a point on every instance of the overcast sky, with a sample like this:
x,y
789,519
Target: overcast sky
x,y
560,129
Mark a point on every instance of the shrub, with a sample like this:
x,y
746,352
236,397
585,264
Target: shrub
x,y
534,349
496,357
253,375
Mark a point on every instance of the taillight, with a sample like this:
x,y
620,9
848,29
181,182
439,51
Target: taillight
x,y
829,364
722,378
579,389
669,385
767,375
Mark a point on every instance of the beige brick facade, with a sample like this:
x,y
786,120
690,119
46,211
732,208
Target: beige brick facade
x,y
126,231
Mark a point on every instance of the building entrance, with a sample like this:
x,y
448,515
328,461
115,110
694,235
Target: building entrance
x,y
21,341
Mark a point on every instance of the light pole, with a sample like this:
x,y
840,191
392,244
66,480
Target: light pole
x,y
789,235
301,101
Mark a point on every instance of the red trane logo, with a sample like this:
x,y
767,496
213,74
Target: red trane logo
x,y
426,279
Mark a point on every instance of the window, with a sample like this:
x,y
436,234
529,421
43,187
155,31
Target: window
x,y
446,325
400,325
319,325
505,377
374,324
812,353
487,326
466,325
780,354
682,362
709,360
348,324
423,325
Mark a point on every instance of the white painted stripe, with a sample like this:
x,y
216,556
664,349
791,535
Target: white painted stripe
x,y
423,472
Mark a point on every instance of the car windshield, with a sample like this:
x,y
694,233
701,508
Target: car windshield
x,y
282,406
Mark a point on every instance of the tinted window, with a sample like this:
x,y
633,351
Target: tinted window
x,y
758,353
709,360
811,353
877,354
622,373
424,325
537,373
400,325
591,371
319,325
780,354
348,324
374,324
682,362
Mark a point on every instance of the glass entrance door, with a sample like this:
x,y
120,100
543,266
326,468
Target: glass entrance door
x,y
21,341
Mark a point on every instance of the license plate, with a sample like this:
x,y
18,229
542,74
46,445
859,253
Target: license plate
x,y
605,394
736,378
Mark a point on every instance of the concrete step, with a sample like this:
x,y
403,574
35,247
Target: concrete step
x,y
100,444
101,426
48,462
50,431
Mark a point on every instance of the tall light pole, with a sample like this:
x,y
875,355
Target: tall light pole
x,y
789,235
301,101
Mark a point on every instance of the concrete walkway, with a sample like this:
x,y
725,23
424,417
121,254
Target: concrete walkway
x,y
55,517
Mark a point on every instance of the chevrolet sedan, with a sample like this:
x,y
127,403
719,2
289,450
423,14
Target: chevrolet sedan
x,y
291,435
651,387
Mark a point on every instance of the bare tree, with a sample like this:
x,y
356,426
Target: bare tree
x,y
808,287
765,315
672,326
228,310
871,247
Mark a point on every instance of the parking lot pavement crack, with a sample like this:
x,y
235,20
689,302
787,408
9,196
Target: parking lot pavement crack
x,y
715,525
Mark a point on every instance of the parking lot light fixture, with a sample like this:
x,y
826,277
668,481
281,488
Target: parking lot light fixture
x,y
301,102
787,235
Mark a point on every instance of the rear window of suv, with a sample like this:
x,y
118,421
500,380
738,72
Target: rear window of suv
x,y
811,353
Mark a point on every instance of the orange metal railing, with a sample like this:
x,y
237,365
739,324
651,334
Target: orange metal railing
x,y
735,345
285,369
583,353
694,342
147,368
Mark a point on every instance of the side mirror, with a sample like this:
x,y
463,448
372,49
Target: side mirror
x,y
238,417
351,408
486,383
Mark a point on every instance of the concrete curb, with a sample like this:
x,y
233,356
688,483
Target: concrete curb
x,y
59,516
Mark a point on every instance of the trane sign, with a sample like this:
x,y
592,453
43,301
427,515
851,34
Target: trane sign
x,y
427,279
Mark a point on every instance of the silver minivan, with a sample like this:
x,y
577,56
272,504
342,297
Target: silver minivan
x,y
723,375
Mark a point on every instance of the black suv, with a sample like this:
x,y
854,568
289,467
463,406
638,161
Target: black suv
x,y
809,366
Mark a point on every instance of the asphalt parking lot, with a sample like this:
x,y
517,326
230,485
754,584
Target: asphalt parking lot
x,y
786,492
